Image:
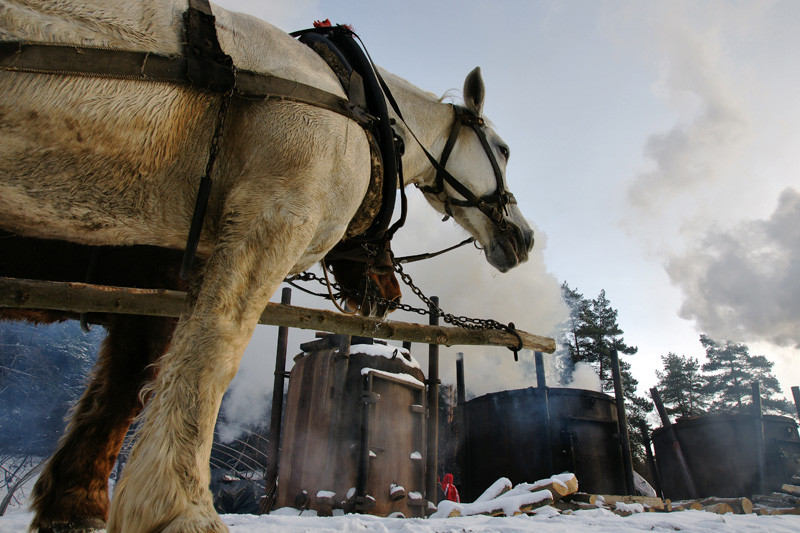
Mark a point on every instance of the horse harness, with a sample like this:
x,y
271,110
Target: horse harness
x,y
206,67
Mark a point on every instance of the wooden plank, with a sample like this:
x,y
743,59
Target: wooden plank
x,y
84,298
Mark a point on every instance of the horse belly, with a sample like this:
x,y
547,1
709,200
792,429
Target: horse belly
x,y
99,161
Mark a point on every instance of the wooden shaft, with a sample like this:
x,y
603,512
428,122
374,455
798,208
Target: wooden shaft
x,y
683,465
273,453
84,298
622,418
651,460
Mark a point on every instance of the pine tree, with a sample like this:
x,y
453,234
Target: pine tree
x,y
590,335
682,386
731,371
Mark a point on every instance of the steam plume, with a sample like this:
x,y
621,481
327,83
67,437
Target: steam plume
x,y
745,282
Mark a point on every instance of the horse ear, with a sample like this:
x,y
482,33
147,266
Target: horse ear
x,y
474,91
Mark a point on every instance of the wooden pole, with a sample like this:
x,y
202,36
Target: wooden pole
x,y
796,395
758,423
433,413
686,473
273,453
84,298
651,460
622,419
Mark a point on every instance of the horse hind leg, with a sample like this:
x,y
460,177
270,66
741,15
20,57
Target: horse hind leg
x,y
71,495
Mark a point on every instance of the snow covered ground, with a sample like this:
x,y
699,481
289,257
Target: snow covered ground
x,y
546,520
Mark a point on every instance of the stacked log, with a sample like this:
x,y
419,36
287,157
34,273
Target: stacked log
x,y
503,499
785,501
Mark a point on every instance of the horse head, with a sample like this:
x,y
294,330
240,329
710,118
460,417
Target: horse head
x,y
469,182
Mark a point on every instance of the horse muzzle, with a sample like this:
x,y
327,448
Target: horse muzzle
x,y
509,247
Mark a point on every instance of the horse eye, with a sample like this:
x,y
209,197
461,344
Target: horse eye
x,y
503,151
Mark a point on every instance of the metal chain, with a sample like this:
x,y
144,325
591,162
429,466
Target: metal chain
x,y
432,309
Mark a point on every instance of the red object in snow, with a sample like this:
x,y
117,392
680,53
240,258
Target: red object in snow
x,y
322,24
450,490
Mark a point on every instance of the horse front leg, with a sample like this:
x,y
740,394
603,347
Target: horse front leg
x,y
164,486
71,494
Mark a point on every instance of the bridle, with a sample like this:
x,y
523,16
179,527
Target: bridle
x,y
494,205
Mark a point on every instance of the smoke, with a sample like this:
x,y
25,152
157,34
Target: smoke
x,y
466,284
745,282
693,166
730,150
585,377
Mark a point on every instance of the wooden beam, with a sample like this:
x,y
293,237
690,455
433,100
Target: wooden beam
x,y
84,298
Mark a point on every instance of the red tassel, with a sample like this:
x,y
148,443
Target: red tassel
x,y
322,24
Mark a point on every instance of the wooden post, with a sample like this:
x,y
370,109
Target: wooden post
x,y
758,423
622,419
433,411
273,453
796,395
651,460
686,473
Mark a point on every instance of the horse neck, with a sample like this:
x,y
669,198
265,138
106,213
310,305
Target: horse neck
x,y
428,118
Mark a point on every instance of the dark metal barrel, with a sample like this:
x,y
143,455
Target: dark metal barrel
x,y
722,452
507,436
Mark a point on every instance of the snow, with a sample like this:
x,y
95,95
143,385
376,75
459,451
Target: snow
x,y
510,502
502,484
546,519
415,456
389,352
325,494
629,507
401,377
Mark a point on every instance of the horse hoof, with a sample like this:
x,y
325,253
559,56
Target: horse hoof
x,y
79,525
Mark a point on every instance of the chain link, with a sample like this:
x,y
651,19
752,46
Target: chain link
x,y
432,310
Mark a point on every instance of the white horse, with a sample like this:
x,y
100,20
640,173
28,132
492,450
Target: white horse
x,y
107,162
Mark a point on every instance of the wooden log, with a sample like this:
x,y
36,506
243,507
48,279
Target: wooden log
x,y
686,505
84,298
559,486
794,490
571,505
612,499
718,508
776,499
738,505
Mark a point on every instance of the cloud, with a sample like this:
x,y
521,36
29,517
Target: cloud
x,y
744,283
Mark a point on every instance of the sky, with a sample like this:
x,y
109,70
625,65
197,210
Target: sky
x,y
655,149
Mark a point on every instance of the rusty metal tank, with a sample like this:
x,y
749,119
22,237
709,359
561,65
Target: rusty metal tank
x,y
353,432
530,434
721,451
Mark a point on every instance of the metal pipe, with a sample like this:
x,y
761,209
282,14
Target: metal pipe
x,y
461,393
796,395
622,420
686,473
273,450
541,379
758,422
432,445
